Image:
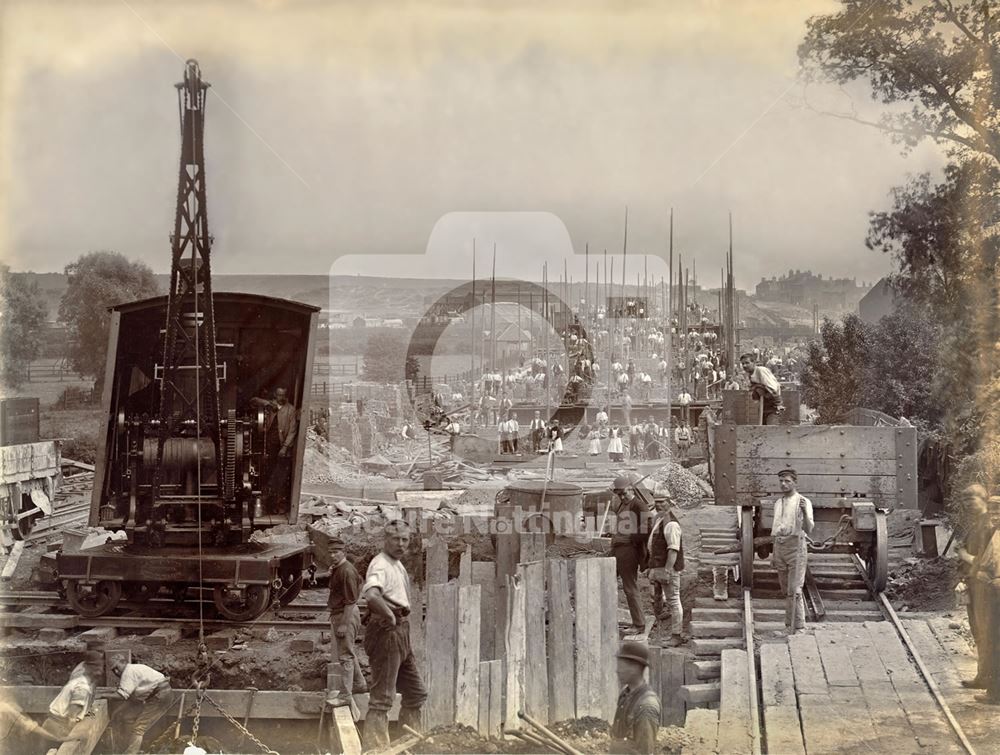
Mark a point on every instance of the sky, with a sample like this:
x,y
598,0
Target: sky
x,y
381,137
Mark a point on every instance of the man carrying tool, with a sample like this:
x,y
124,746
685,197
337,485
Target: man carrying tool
x,y
637,717
628,543
666,562
387,639
147,697
793,521
764,387
345,621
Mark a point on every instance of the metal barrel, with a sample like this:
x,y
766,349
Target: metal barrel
x,y
560,509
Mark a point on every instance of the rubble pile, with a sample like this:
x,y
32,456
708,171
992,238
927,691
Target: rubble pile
x,y
686,488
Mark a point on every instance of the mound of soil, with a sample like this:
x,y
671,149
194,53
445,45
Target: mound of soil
x,y
924,584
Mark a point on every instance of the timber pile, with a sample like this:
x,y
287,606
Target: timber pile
x,y
552,657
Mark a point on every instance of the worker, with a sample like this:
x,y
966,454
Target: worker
x,y
651,438
514,430
147,697
345,621
555,435
627,408
76,696
974,499
637,716
628,543
793,521
503,435
986,571
616,450
280,429
666,562
764,387
537,428
387,639
682,439
13,719
684,400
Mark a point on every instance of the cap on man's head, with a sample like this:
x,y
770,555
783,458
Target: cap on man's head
x,y
621,483
335,543
94,657
749,356
789,473
637,652
397,527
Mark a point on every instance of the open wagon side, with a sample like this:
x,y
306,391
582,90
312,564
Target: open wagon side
x,y
854,477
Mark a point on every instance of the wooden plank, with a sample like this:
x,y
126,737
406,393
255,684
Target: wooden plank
x,y
764,467
532,547
465,567
467,655
562,691
343,729
515,652
933,655
536,676
587,637
437,561
484,575
781,715
807,667
418,634
670,681
491,683
85,735
702,725
906,462
815,442
12,558
836,657
734,705
607,663
442,636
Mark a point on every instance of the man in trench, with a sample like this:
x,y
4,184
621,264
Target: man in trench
x,y
387,639
793,521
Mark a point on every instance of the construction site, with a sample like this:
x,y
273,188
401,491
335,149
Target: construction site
x,y
544,497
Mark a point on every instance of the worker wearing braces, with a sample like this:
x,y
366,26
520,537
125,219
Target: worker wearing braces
x,y
793,521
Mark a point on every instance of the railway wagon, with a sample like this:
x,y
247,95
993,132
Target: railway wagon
x,y
188,522
854,477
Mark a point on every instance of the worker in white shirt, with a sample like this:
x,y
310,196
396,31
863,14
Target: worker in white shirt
x,y
76,697
514,431
147,697
793,521
537,428
684,402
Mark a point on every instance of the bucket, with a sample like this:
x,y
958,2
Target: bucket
x,y
563,505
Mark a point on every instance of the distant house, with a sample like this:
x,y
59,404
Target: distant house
x,y
392,323
878,302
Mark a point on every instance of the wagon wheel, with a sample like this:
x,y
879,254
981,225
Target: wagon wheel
x,y
877,560
242,607
746,546
24,527
103,598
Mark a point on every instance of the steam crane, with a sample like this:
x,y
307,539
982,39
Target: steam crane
x,y
188,465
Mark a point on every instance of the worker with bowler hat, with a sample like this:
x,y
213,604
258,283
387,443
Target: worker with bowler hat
x,y
637,717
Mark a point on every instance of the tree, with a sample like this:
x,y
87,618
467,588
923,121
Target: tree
x,y
938,57
22,317
385,359
97,281
832,376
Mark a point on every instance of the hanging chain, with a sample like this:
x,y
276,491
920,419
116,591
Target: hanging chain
x,y
243,730
845,523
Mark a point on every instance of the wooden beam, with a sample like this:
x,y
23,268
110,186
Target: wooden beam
x,y
442,636
587,638
607,663
467,655
86,734
484,575
515,652
343,730
491,689
536,678
11,563
437,561
562,689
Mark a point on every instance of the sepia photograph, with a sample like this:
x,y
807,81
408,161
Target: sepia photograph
x,y
455,376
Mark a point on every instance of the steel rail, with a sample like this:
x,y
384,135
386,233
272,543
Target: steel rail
x,y
890,613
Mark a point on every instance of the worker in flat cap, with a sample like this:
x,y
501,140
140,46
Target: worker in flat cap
x,y
793,521
345,623
637,717
986,571
76,696
633,515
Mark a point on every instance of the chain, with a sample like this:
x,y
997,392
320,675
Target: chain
x,y
198,700
263,747
845,523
